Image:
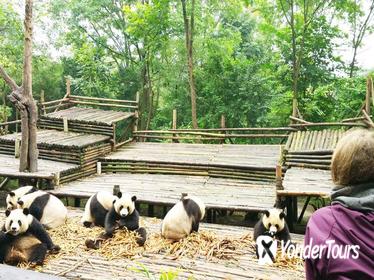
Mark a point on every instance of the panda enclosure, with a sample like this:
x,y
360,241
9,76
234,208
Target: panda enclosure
x,y
89,144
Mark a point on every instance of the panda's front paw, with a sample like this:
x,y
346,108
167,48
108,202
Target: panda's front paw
x,y
55,249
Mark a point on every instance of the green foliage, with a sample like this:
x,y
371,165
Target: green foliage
x,y
242,59
164,275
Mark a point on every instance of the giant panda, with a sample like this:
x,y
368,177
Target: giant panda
x,y
96,208
13,196
46,208
106,210
24,239
183,218
273,223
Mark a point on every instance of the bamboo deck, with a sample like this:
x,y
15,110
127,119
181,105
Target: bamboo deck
x,y
159,189
91,266
85,120
89,115
66,147
312,148
251,162
47,169
306,182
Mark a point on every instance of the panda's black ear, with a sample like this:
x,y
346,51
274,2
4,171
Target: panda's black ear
x,y
133,198
12,194
20,202
267,213
26,211
119,194
7,212
282,215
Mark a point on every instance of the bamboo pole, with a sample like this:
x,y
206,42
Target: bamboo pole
x,y
369,93
298,119
174,125
368,119
327,124
103,99
68,84
103,104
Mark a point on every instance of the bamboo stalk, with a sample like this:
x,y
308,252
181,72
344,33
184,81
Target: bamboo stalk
x,y
299,120
103,104
103,99
327,124
367,117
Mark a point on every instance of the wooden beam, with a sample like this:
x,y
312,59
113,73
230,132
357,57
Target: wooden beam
x,y
369,94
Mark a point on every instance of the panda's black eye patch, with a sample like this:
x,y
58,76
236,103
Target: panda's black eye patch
x,y
11,203
269,225
121,208
277,226
128,209
19,222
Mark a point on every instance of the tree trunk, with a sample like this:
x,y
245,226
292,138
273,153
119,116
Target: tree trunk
x,y
189,29
22,99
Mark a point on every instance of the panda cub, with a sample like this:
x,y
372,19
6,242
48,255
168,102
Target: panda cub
x,y
24,239
273,223
13,196
46,208
183,218
109,211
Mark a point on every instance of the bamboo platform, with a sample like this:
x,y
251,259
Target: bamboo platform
x,y
306,182
91,266
85,120
49,170
250,162
81,150
159,189
69,147
312,149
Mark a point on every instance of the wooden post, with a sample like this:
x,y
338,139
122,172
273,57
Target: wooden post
x,y
17,145
223,125
57,179
116,190
16,120
369,94
174,125
136,117
67,94
278,177
68,87
42,101
114,137
65,121
98,168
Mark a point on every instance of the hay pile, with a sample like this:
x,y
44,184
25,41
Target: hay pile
x,y
205,244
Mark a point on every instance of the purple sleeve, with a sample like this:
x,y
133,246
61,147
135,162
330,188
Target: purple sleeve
x,y
317,232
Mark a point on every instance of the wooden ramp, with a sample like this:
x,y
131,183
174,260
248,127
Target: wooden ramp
x,y
49,170
90,265
312,149
161,189
251,162
306,182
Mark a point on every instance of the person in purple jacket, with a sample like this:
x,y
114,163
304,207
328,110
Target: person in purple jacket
x,y
344,231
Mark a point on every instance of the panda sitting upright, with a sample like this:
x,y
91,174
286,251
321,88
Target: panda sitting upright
x,y
106,210
183,218
24,239
272,223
